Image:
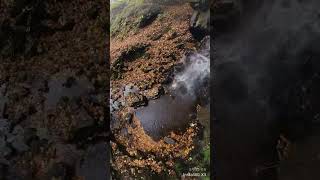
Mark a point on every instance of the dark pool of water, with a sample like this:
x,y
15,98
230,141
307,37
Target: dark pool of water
x,y
166,114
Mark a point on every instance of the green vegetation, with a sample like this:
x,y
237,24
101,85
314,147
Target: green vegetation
x,y
130,15
206,156
118,3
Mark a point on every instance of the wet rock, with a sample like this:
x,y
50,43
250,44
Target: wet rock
x,y
136,100
169,140
200,20
199,24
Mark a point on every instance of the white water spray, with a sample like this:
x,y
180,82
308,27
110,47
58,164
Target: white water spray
x,y
196,70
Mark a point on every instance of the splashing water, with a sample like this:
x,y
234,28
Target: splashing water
x,y
197,70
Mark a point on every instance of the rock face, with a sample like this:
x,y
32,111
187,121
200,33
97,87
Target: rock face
x,y
200,20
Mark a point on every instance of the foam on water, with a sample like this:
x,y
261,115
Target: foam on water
x,y
197,69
